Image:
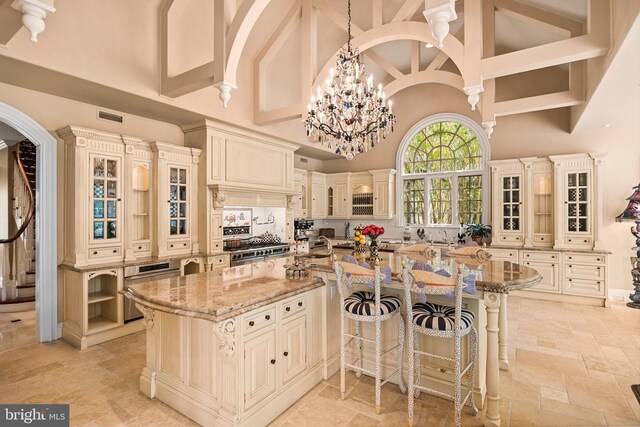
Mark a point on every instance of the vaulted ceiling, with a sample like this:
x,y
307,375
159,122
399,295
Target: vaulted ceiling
x,y
490,43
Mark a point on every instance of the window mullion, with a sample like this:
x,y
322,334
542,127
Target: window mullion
x,y
454,199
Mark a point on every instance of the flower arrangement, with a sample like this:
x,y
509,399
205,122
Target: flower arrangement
x,y
373,232
478,231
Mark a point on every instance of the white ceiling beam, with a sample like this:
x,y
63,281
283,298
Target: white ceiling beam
x,y
472,42
536,103
11,21
289,112
384,64
548,55
423,77
415,56
189,81
558,24
407,10
339,19
309,48
376,6
442,57
488,50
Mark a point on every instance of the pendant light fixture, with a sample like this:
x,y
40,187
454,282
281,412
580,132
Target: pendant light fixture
x,y
350,115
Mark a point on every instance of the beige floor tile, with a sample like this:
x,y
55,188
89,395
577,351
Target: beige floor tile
x,y
549,361
584,343
540,376
592,416
553,394
592,393
614,420
614,367
522,415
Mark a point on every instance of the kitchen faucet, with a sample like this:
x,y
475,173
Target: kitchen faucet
x,y
329,245
444,233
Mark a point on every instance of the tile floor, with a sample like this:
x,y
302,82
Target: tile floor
x,y
570,366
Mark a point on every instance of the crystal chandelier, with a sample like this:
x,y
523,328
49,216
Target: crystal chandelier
x,y
350,116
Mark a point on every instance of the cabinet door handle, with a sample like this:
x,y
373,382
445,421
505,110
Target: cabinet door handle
x,y
570,280
286,353
95,252
288,309
300,304
273,361
267,317
598,283
570,265
119,199
139,247
115,251
598,259
251,323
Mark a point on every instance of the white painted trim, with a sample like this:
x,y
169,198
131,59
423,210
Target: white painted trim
x,y
486,156
620,294
46,220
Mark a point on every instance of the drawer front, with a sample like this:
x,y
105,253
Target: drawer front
x,y
542,240
584,287
259,320
294,306
221,261
511,238
141,247
540,256
578,241
585,258
216,245
584,271
550,272
504,254
179,245
111,252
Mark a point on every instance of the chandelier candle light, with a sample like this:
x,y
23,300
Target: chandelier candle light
x,y
350,116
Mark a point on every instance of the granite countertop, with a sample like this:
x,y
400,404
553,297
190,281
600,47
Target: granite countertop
x,y
123,264
491,276
217,296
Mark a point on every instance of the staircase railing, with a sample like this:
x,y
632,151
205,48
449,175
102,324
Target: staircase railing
x,y
8,289
32,203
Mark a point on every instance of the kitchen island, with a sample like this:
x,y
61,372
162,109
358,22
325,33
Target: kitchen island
x,y
240,346
236,347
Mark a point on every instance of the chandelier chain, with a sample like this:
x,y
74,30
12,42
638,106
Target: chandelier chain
x,y
349,25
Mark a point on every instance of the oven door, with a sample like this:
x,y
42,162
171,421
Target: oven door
x,y
131,312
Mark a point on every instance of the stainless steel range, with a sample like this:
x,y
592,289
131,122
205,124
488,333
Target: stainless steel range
x,y
248,253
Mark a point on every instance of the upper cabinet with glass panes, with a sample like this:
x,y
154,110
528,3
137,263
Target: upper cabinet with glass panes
x,y
508,202
94,199
105,199
578,200
176,173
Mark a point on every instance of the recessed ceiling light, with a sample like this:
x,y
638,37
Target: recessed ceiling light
x,y
606,125
428,45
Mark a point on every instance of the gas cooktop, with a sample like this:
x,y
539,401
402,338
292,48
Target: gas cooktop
x,y
256,246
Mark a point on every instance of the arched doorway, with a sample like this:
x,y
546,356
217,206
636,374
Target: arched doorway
x,y
46,220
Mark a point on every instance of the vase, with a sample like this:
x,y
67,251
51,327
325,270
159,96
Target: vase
x,y
373,251
360,253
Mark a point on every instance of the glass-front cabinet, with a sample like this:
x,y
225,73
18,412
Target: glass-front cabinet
x,y
105,199
176,174
577,202
508,202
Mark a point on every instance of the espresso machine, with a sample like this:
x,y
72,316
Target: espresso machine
x,y
301,229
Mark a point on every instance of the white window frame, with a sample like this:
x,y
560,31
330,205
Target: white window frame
x,y
453,175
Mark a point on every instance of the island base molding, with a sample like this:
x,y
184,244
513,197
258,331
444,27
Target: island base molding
x,y
570,299
82,342
154,387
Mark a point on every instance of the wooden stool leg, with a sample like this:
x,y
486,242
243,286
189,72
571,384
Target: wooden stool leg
x,y
342,356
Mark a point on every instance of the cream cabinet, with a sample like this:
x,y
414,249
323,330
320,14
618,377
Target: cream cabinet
x,y
361,193
138,171
294,349
260,368
508,211
300,193
383,193
539,195
578,200
94,203
337,195
548,265
317,197
176,181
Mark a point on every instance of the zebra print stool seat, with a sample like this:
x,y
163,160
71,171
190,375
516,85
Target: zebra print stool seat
x,y
364,303
440,317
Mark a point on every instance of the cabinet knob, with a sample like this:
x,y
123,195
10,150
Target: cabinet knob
x,y
115,251
598,283
286,353
598,259
119,199
139,247
273,361
570,280
95,252
300,304
267,317
288,309
569,265
251,323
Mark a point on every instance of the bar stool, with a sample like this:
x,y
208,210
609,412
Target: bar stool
x,y
443,322
373,307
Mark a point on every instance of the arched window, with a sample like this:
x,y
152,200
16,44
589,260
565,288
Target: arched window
x,y
442,163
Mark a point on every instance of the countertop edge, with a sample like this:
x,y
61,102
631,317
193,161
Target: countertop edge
x,y
233,312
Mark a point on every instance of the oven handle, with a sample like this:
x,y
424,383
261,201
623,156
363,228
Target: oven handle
x,y
153,276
